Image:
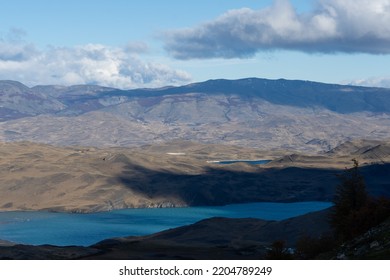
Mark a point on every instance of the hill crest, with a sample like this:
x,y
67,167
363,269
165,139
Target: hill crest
x,y
278,114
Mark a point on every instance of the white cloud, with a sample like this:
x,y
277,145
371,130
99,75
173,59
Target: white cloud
x,y
350,26
136,47
370,82
13,48
12,52
87,64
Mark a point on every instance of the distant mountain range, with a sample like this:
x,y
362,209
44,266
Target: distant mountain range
x,y
272,114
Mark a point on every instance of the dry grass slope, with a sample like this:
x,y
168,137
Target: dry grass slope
x,y
87,179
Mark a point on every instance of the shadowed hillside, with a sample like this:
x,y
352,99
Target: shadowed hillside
x,y
86,179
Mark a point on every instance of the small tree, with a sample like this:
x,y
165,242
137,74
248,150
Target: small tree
x,y
309,248
278,251
350,198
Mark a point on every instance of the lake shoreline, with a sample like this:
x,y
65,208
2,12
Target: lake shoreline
x,y
42,227
218,238
170,205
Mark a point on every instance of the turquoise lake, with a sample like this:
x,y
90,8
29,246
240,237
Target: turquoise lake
x,y
253,162
86,229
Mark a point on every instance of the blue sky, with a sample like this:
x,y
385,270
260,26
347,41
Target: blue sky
x,y
151,43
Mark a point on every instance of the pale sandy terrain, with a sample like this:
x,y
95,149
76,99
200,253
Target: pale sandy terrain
x,y
82,179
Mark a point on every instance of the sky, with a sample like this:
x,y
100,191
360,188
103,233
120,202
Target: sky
x,y
153,43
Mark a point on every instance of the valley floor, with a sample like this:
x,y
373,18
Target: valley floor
x,y
89,179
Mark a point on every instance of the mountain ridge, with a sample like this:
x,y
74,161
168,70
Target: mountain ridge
x,y
299,93
253,112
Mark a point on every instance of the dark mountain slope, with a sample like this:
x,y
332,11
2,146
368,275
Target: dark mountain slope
x,y
372,245
17,100
337,98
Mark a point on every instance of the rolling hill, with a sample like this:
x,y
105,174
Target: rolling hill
x,y
89,179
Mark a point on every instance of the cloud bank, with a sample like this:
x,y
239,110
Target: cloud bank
x,y
370,82
87,64
348,26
